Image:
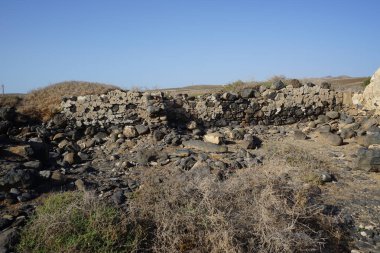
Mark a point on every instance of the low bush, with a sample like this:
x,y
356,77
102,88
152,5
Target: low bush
x,y
78,222
234,86
367,81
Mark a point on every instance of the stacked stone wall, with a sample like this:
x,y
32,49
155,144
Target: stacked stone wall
x,y
277,107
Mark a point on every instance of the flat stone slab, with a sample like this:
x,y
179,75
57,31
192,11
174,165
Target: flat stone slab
x,y
205,146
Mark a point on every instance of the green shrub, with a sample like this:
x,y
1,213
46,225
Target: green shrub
x,y
235,86
78,222
366,81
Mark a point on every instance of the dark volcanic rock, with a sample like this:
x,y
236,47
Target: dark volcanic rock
x,y
145,156
250,142
247,93
118,197
332,114
277,85
18,177
326,85
142,129
158,135
368,140
7,113
4,126
295,83
369,160
8,239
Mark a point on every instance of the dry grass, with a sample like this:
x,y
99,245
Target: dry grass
x,y
240,85
43,103
254,210
10,100
77,222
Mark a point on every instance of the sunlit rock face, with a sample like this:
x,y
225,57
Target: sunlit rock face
x,y
371,94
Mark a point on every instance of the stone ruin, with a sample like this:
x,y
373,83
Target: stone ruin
x,y
268,106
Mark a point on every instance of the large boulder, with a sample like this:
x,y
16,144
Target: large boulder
x,y
277,85
331,139
369,160
371,94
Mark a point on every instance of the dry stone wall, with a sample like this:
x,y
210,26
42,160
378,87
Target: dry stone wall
x,y
250,106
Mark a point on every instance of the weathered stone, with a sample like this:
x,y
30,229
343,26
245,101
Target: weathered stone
x,y
324,129
59,137
100,137
18,177
332,114
322,119
299,135
295,83
325,85
158,135
64,143
145,156
347,133
347,98
24,151
130,132
33,165
371,94
57,177
5,126
192,125
369,160
229,96
7,113
71,158
153,110
247,93
250,142
277,85
368,140
142,129
8,239
205,146
326,177
118,197
368,123
331,139
45,174
182,153
186,163
216,138
81,186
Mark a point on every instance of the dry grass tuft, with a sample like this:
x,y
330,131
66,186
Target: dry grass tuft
x,y
10,100
44,103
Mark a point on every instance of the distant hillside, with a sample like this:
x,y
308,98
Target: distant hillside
x,y
339,83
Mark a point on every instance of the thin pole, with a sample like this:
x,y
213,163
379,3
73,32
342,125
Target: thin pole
x,y
2,87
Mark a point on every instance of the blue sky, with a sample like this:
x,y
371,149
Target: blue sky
x,y
175,43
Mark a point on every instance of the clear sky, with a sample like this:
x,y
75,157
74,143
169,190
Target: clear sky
x,y
162,43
